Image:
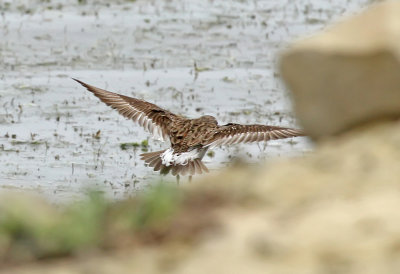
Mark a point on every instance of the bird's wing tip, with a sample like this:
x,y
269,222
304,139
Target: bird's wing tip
x,y
87,86
80,82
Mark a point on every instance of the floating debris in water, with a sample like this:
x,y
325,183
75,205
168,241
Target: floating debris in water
x,y
97,134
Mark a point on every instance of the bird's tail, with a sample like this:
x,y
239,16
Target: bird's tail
x,y
153,159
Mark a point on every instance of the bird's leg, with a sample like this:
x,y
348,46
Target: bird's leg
x,y
177,179
190,178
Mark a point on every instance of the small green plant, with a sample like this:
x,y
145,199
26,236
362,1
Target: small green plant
x,y
125,146
145,145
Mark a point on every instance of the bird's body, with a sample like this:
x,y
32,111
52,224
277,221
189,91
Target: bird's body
x,y
189,138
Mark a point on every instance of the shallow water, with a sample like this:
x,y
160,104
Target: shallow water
x,y
49,125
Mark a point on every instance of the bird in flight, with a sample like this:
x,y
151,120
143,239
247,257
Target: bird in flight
x,y
189,138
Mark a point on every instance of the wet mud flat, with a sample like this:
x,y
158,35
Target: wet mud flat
x,y
190,58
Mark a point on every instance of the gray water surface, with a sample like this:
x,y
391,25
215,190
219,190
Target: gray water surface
x,y
58,139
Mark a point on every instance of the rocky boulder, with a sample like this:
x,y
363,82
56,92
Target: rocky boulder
x,y
348,74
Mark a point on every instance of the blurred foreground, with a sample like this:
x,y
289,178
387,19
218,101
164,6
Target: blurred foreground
x,y
332,212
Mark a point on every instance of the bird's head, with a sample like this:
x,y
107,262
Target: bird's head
x,y
209,119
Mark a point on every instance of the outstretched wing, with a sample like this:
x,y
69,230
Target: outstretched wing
x,y
234,133
147,115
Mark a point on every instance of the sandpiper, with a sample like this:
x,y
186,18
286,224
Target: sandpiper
x,y
189,138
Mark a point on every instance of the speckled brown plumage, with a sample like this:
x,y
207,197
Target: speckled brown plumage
x,y
190,138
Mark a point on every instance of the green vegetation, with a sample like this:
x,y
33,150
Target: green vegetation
x,y
144,145
33,143
32,229
125,146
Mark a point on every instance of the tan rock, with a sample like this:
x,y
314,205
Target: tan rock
x,y
348,74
